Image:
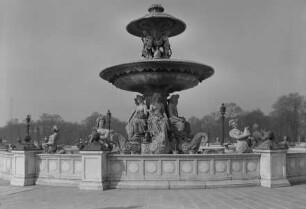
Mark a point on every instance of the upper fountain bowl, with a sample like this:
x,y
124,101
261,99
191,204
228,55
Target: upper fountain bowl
x,y
156,24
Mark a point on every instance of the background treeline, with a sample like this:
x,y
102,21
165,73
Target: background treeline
x,y
288,117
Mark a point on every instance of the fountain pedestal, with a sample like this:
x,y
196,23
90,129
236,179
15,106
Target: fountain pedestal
x,y
24,167
273,168
94,170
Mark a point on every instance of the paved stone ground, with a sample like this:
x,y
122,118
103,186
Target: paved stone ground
x,y
44,197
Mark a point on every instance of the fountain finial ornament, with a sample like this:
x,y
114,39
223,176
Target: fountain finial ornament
x,y
156,8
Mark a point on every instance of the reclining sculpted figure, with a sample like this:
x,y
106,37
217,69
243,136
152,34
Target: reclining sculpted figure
x,y
100,137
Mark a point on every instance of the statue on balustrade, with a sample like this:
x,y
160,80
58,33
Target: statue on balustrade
x,y
257,136
50,145
242,138
100,138
270,143
158,126
181,138
3,147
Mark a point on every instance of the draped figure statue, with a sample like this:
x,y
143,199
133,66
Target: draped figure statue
x,y
137,123
158,125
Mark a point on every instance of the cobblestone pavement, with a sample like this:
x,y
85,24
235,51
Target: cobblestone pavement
x,y
43,197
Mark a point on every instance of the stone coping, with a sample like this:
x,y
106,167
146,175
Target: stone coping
x,y
26,151
59,155
232,155
297,150
270,151
5,153
93,152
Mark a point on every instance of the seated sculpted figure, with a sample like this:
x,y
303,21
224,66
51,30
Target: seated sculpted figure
x,y
51,144
158,47
181,127
166,46
257,136
242,145
147,51
270,143
158,124
101,134
137,123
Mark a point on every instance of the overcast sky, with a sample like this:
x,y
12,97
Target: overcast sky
x,y
51,53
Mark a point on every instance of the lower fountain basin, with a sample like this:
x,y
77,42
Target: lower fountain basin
x,y
152,75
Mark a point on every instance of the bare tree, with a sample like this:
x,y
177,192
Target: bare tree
x,y
289,112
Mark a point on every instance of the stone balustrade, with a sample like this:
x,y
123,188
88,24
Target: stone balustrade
x,y
296,167
100,170
59,169
6,165
182,171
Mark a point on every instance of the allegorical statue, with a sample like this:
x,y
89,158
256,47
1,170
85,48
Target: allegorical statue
x,y
258,136
242,145
270,143
158,125
167,52
51,142
181,138
101,135
157,47
181,127
137,123
2,145
147,51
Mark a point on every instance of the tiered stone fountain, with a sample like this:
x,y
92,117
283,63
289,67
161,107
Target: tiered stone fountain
x,y
155,127
156,76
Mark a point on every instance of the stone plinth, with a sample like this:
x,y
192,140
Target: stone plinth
x,y
59,169
24,167
273,168
169,171
94,170
296,167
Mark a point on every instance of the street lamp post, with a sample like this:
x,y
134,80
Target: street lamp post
x,y
109,116
27,138
28,119
222,111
